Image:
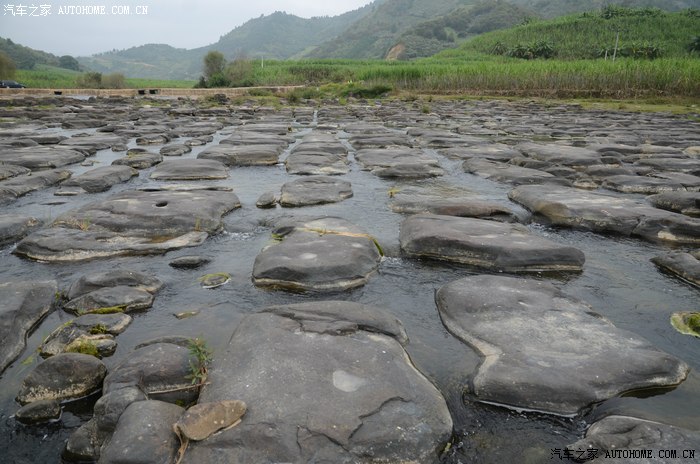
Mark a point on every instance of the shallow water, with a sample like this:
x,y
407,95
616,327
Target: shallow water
x,y
618,280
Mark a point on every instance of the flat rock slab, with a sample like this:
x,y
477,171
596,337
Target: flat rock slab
x,y
105,325
314,190
131,223
247,137
327,254
687,203
178,149
350,393
682,265
23,306
492,151
606,213
485,244
616,437
36,158
13,227
545,351
95,142
564,155
139,160
507,173
399,162
10,170
63,377
241,155
462,207
317,163
686,165
144,434
641,184
112,278
171,378
15,187
101,179
190,169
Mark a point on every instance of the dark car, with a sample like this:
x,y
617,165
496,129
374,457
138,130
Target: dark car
x,y
11,85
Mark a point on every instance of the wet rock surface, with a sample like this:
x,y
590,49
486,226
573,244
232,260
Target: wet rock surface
x,y
23,306
545,351
461,159
348,379
615,436
314,190
323,255
485,244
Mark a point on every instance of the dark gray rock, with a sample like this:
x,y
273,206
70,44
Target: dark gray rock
x,y
15,187
161,371
606,213
314,190
267,200
101,179
131,223
36,158
98,329
508,173
242,155
687,203
94,142
23,306
189,262
190,169
544,350
564,155
113,278
109,408
139,160
327,254
175,150
617,437
153,139
492,152
83,444
687,165
13,227
485,244
39,411
641,184
317,163
682,265
63,377
123,297
11,170
350,392
462,207
144,435
399,162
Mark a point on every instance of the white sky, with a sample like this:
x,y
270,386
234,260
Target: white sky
x,y
182,24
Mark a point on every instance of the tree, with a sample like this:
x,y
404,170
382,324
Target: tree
x,y
68,62
214,63
114,81
7,66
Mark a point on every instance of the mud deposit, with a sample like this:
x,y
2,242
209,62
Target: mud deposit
x,y
376,283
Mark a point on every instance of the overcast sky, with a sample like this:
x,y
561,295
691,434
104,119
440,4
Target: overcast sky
x,y
183,24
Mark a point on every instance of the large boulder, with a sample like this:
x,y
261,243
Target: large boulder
x,y
324,382
23,306
101,179
18,186
131,223
144,434
623,439
14,227
598,212
682,265
399,162
34,158
66,376
545,351
240,155
315,190
485,244
190,169
327,254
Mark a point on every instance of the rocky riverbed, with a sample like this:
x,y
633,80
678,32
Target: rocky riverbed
x,y
487,281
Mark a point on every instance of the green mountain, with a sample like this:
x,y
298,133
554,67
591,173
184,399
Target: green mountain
x,y
394,29
430,37
639,33
27,58
276,36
